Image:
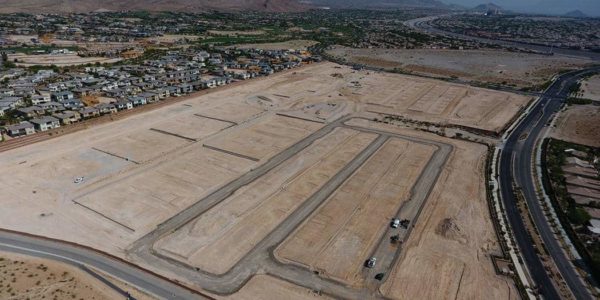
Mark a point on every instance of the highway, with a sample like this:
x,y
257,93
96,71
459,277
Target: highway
x,y
424,24
516,166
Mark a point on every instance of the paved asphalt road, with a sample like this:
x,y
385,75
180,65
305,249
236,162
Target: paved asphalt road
x,y
80,257
516,165
423,24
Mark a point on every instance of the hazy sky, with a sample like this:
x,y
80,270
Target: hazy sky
x,y
589,7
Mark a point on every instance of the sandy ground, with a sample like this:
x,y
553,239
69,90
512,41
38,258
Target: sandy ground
x,y
58,60
579,124
144,169
292,44
479,65
252,212
591,88
25,277
445,104
265,138
354,218
450,247
265,287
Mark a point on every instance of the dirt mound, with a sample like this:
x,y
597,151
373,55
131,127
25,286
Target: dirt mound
x,y
450,230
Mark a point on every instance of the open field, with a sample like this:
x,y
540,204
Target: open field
x,y
451,243
215,182
445,104
520,69
291,44
266,138
60,60
193,127
591,88
140,201
353,220
579,124
252,212
142,146
25,277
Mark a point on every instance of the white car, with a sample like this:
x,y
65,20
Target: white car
x,y
78,180
370,263
395,223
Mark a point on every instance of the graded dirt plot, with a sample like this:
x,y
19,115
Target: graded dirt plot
x,y
25,277
266,287
451,245
579,124
219,238
265,138
142,146
444,103
145,199
60,60
349,225
235,112
590,88
192,126
520,69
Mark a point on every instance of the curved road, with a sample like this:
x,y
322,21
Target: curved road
x,y
81,257
516,166
424,24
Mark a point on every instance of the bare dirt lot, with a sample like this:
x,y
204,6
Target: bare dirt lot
x,y
520,69
451,243
151,167
24,277
251,213
60,60
590,88
350,224
266,138
579,124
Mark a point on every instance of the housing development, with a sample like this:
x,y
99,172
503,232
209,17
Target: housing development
x,y
296,150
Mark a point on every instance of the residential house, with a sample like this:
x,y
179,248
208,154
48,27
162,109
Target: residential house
x,y
51,106
106,108
150,97
45,123
72,104
68,117
186,88
137,100
23,128
30,111
62,96
89,112
37,99
124,104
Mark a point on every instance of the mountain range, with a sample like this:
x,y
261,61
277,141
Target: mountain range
x,y
82,6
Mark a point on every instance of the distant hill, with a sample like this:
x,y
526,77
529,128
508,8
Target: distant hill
x,y
575,14
487,7
380,3
81,6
